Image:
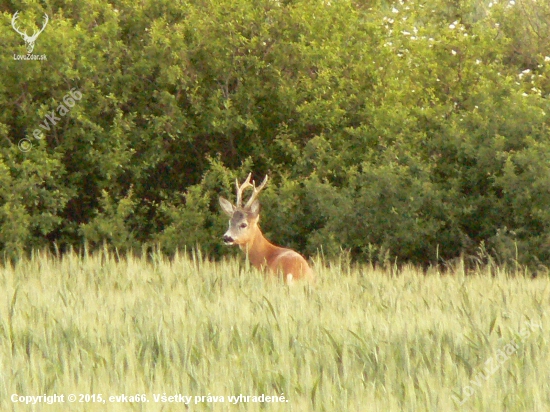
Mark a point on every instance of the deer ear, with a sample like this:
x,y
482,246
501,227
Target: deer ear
x,y
255,209
227,207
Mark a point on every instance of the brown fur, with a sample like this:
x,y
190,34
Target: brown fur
x,y
245,232
278,260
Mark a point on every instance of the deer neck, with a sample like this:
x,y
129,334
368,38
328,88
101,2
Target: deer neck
x,y
258,249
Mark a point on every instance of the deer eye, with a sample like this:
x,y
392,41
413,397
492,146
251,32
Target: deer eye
x,y
243,225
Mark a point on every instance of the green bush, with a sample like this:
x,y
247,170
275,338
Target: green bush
x,y
409,132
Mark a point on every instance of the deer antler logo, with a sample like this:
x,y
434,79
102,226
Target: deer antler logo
x,y
29,40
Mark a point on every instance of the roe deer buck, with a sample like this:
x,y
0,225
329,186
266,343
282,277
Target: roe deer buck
x,y
245,232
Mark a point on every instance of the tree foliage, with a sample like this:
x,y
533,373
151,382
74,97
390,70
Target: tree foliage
x,y
413,130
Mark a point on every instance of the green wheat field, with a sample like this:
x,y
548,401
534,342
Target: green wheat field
x,y
360,339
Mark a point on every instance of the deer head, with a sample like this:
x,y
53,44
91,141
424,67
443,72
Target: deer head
x,y
29,40
243,222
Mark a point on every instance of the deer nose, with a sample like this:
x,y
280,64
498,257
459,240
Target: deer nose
x,y
227,239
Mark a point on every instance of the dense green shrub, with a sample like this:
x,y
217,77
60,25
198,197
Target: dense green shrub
x,y
414,131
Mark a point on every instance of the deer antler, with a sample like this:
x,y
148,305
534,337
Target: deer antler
x,y
29,39
24,34
256,192
13,19
241,188
46,19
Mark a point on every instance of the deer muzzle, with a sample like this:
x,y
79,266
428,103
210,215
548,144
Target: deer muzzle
x,y
228,240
